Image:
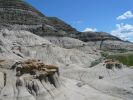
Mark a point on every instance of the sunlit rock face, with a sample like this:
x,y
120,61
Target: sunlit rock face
x,y
43,58
40,78
26,80
29,80
24,44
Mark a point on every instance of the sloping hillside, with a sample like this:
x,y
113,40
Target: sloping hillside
x,y
44,58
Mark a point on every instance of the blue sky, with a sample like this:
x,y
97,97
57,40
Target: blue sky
x,y
113,16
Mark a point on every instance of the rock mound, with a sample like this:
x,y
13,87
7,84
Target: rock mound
x,y
28,79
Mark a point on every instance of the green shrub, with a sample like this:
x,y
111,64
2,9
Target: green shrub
x,y
104,54
96,62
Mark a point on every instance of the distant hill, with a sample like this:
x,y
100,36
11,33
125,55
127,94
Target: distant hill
x,y
17,14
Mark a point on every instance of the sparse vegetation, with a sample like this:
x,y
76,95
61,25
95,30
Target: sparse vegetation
x,y
96,62
126,59
104,54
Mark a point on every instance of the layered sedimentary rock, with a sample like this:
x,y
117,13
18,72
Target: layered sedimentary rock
x,y
43,58
18,12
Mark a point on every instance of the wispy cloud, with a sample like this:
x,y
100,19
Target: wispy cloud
x,y
123,31
126,15
88,29
79,21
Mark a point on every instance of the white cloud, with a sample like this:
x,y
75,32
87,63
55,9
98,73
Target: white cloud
x,y
90,29
126,15
123,31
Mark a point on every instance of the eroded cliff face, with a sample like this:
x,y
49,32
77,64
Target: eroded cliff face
x,y
24,44
43,58
29,80
39,78
20,15
18,12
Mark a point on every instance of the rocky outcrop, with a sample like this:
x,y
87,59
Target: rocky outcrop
x,y
96,36
19,12
37,70
61,25
105,41
69,66
14,13
38,80
18,15
28,79
24,44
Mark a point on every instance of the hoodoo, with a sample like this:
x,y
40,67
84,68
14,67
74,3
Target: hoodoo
x,y
44,58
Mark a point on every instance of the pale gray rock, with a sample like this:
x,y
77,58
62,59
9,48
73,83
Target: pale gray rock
x,y
25,33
